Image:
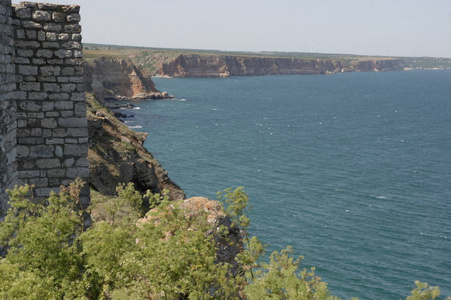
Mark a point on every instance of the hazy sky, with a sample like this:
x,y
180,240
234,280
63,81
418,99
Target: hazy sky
x,y
379,27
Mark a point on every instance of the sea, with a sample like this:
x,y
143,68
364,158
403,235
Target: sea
x,y
352,170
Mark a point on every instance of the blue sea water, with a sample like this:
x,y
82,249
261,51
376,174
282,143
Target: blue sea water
x,y
353,170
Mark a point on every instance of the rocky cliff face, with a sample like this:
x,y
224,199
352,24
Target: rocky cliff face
x,y
116,155
119,79
194,65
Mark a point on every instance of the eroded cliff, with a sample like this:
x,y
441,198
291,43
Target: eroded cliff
x,y
195,65
118,78
116,155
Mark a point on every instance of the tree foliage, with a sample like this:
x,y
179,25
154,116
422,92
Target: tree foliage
x,y
168,254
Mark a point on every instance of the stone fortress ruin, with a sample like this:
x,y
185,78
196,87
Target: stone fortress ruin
x,y
43,126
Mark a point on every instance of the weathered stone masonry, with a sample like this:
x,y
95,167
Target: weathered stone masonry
x,y
43,126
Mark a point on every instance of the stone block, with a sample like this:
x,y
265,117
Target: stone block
x,y
73,122
72,28
37,132
64,105
62,79
22,151
54,141
69,162
55,181
68,87
22,13
60,132
37,96
47,78
50,45
78,97
59,151
72,45
63,36
51,36
56,61
24,52
45,192
47,105
50,71
41,151
31,25
51,87
75,150
31,34
56,173
73,18
36,116
21,60
39,182
44,53
28,174
49,123
39,61
63,53
21,123
68,71
77,132
23,132
59,17
76,37
52,114
46,133
26,164
29,106
78,54
74,61
41,35
41,15
53,27
67,113
30,86
20,34
82,162
30,141
27,44
77,172
48,163
59,96
71,141
28,70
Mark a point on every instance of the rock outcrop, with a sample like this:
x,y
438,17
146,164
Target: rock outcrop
x,y
117,78
116,155
228,246
195,65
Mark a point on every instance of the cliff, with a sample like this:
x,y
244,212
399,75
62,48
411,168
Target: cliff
x,y
116,155
195,65
117,78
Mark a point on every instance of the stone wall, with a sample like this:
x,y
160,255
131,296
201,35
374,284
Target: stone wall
x,y
8,167
43,55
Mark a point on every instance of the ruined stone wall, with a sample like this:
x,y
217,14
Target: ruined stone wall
x,y
8,172
46,88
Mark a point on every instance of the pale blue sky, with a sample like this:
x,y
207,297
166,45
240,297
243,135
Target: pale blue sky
x,y
372,27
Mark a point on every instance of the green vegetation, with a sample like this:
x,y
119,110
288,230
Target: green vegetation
x,y
169,254
427,62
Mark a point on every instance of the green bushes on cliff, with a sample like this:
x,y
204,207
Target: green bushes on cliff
x,y
168,254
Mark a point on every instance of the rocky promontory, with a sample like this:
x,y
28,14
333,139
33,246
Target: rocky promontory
x,y
118,78
117,155
197,65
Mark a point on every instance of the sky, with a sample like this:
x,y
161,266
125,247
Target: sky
x,y
367,27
